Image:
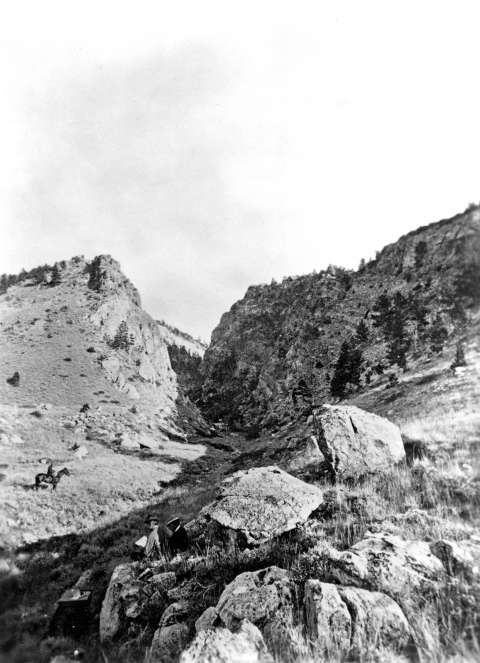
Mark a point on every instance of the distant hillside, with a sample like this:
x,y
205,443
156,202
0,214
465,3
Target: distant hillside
x,y
178,338
309,339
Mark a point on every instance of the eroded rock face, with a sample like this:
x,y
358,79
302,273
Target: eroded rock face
x,y
356,443
220,645
347,621
121,602
386,563
259,504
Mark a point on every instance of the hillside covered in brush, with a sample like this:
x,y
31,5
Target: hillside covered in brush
x,y
288,346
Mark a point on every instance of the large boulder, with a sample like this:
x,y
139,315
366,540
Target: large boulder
x,y
386,563
122,601
356,443
172,635
254,506
350,622
220,645
266,598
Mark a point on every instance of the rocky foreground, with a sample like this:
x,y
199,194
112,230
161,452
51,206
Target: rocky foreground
x,y
262,582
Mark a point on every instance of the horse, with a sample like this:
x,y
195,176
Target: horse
x,y
51,478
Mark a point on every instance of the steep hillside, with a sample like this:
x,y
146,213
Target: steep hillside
x,y
85,382
288,346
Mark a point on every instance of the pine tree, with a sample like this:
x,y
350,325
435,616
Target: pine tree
x,y
121,340
438,335
347,369
398,341
56,279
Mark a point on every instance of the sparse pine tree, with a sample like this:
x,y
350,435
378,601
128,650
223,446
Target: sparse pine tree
x,y
55,279
438,335
347,369
398,340
362,265
121,340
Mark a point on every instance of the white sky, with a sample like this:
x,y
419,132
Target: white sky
x,y
212,145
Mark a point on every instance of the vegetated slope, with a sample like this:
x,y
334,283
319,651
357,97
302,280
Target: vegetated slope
x,y
287,346
93,372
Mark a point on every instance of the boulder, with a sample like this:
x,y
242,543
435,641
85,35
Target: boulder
x,y
356,443
222,646
266,599
81,452
459,557
254,506
346,622
122,601
129,441
386,563
168,643
172,635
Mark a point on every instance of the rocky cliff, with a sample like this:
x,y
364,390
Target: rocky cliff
x,y
287,346
77,328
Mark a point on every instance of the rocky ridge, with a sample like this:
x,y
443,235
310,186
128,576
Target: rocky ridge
x,y
275,353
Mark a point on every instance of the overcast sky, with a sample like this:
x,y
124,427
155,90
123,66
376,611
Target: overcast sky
x,y
212,145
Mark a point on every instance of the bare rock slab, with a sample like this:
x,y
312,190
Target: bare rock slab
x,y
356,443
259,504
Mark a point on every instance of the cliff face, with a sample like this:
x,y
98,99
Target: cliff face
x,y
276,351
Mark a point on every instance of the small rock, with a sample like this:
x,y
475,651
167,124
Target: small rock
x,y
81,452
14,381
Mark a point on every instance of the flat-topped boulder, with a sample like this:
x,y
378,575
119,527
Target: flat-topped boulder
x,y
356,443
256,505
